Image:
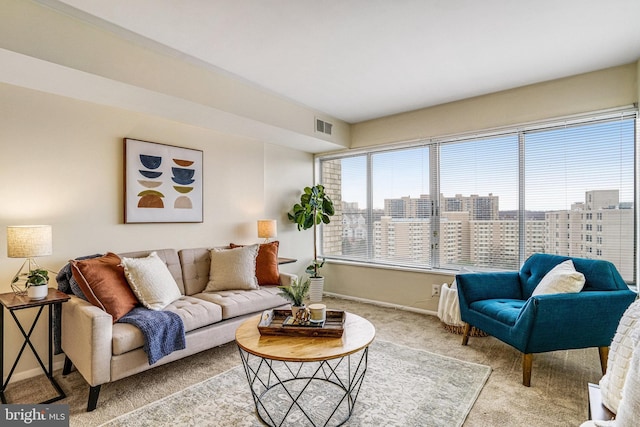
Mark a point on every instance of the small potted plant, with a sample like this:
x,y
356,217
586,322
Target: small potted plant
x,y
36,284
295,293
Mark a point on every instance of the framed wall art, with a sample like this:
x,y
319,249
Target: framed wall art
x,y
162,183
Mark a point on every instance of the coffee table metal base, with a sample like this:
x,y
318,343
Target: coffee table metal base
x,y
314,393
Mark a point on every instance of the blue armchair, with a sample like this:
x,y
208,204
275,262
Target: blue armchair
x,y
501,305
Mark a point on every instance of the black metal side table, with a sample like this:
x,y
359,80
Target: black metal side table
x,y
13,303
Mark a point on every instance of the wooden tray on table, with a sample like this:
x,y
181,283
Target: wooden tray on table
x,y
272,322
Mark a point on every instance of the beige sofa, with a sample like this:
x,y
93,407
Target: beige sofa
x,y
103,351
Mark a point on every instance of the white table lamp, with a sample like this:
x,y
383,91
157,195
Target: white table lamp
x,y
28,241
267,229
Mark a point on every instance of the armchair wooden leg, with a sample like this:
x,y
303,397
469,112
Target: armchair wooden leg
x,y
604,356
465,334
527,363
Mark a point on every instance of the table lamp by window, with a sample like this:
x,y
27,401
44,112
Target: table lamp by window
x,y
267,229
28,241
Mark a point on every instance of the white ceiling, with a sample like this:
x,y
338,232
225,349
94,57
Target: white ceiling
x,y
362,59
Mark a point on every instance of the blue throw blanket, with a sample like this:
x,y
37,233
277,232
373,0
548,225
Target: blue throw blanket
x,y
163,331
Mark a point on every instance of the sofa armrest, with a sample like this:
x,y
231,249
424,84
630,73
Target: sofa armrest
x,y
585,319
86,339
482,286
287,278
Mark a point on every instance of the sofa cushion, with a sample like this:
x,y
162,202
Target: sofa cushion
x,y
194,312
233,269
151,281
503,310
563,278
266,263
238,302
195,265
103,283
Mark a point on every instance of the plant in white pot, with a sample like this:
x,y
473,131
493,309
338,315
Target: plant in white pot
x,y
315,208
295,293
37,281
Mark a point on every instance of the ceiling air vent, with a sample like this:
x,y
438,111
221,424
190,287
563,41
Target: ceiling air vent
x,y
323,127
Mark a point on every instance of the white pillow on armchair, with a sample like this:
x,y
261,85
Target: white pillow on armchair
x,y
563,278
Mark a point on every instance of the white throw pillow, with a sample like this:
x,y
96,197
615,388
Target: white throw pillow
x,y
563,278
619,359
151,281
233,269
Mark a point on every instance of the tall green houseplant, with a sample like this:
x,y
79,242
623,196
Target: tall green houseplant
x,y
315,208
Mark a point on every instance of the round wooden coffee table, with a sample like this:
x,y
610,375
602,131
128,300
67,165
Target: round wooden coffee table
x,y
305,380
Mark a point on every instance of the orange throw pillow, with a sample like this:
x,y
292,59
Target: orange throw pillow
x,y
266,263
103,282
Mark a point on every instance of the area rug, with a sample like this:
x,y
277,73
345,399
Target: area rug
x,y
402,387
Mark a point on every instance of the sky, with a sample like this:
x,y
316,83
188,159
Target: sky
x,y
560,166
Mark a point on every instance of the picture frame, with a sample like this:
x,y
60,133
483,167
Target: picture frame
x,y
162,183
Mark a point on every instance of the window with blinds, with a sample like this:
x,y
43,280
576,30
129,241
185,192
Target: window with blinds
x,y
579,183
487,202
479,203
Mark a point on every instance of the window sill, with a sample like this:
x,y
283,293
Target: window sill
x,y
444,272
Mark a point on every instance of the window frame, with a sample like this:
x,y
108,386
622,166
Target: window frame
x,y
434,145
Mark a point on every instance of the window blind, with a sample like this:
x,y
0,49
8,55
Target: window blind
x,y
580,181
487,202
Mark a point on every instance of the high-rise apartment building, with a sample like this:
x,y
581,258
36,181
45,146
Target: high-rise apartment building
x,y
332,234
600,228
479,207
474,234
409,207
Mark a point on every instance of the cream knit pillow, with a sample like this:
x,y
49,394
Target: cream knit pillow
x,y
629,408
151,281
233,269
619,358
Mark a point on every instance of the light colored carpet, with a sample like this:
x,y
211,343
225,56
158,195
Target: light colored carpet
x,y
402,387
557,396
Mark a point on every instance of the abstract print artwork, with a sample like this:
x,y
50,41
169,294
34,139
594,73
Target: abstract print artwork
x,y
163,183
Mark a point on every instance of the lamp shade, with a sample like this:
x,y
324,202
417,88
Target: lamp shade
x,y
27,241
267,228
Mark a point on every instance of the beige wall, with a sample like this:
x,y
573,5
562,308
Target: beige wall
x,y
599,90
410,290
62,164
594,91
71,91
87,50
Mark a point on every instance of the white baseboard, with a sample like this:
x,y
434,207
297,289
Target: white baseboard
x,y
381,303
23,375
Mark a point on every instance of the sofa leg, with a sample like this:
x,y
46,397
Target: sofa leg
x,y
94,392
527,363
68,365
465,334
604,355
